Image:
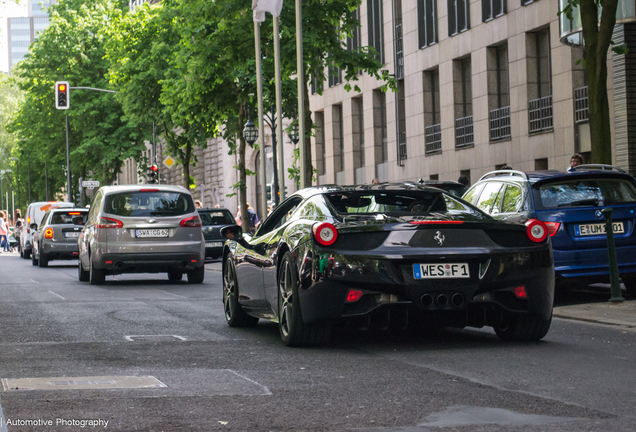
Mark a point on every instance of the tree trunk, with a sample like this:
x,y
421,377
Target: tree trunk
x,y
597,42
309,169
245,219
186,165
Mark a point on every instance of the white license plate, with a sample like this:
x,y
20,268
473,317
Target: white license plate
x,y
72,234
597,229
441,271
145,233
213,244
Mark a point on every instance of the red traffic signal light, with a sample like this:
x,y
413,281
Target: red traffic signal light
x,y
62,95
154,168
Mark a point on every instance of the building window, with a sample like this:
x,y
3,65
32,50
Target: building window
x,y
357,127
491,9
527,2
319,121
316,83
541,164
498,92
398,41
375,22
426,22
539,81
401,123
458,16
380,142
353,41
433,127
462,77
335,76
465,173
338,141
434,177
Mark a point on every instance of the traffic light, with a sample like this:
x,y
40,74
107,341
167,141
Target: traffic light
x,y
151,175
62,95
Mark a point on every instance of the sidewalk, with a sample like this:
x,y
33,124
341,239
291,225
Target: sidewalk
x,y
620,314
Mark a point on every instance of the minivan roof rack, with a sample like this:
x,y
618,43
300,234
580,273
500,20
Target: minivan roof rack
x,y
601,167
503,173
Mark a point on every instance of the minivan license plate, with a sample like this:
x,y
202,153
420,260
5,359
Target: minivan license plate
x,y
145,233
597,229
441,271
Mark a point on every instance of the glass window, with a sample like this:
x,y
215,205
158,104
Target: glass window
x,y
375,23
488,196
472,195
458,16
383,201
427,22
217,218
491,9
159,203
587,191
512,199
496,208
65,218
280,215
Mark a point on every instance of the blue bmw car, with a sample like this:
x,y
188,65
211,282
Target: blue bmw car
x,y
570,204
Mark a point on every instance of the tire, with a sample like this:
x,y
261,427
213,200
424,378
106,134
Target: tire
x,y
523,328
83,275
235,316
34,261
43,261
293,330
96,276
21,254
26,254
196,276
175,276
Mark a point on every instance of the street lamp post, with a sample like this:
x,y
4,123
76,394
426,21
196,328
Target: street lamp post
x,y
18,177
294,136
271,120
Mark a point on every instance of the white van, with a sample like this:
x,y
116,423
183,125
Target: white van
x,y
34,214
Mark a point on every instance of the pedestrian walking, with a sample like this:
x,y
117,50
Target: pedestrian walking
x,y
197,204
4,230
18,226
576,160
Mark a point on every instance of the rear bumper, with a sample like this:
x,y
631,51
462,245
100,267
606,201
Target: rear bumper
x,y
149,262
54,250
593,262
328,277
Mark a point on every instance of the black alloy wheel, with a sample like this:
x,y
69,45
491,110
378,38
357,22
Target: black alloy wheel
x,y
83,275
34,260
96,276
197,275
235,316
175,276
523,328
293,330
43,261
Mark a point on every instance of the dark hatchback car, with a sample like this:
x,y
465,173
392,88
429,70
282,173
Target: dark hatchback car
x,y
570,204
392,254
212,221
56,237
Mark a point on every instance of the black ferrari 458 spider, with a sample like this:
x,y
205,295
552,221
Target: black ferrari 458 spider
x,y
394,255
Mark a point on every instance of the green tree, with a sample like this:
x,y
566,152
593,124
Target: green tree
x,y
598,19
10,101
101,137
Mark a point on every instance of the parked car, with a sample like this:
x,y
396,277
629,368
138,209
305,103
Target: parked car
x,y
132,229
213,220
56,237
387,253
570,204
34,214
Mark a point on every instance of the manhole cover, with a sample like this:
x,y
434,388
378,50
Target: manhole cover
x,y
81,383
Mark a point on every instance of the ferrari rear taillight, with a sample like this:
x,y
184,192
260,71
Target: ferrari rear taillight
x,y
537,231
48,233
353,296
104,222
520,292
553,227
192,222
325,234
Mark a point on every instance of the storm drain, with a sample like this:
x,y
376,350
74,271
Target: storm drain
x,y
154,338
81,383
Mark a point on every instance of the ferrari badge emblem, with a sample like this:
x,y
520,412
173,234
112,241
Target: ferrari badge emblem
x,y
439,238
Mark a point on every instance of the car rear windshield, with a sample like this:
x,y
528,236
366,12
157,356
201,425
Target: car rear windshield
x,y
585,192
217,218
65,218
396,202
156,203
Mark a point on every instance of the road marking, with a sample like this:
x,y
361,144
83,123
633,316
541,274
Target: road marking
x,y
130,338
176,295
34,281
267,391
57,295
81,383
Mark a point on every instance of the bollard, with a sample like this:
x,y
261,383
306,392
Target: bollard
x,y
615,279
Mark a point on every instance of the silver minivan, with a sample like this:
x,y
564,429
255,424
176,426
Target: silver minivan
x,y
142,229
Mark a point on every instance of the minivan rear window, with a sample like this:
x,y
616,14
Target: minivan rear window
x,y
586,192
217,218
156,203
65,218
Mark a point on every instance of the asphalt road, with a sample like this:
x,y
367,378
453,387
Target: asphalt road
x,y
581,377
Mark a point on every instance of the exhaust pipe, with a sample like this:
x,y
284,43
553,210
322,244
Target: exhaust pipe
x,y
442,300
427,300
457,300
119,265
184,264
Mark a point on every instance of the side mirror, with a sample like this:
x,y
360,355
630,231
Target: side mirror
x,y
232,232
33,226
78,220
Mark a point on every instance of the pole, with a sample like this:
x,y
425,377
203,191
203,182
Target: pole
x,y
279,112
615,279
261,125
275,186
68,165
300,73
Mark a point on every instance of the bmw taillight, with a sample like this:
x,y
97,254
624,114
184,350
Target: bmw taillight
x,y
325,234
48,233
553,227
104,222
192,222
537,231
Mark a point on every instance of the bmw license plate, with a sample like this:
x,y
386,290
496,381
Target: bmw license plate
x,y
72,234
441,271
146,233
213,244
597,229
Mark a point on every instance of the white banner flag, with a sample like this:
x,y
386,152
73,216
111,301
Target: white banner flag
x,y
261,6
